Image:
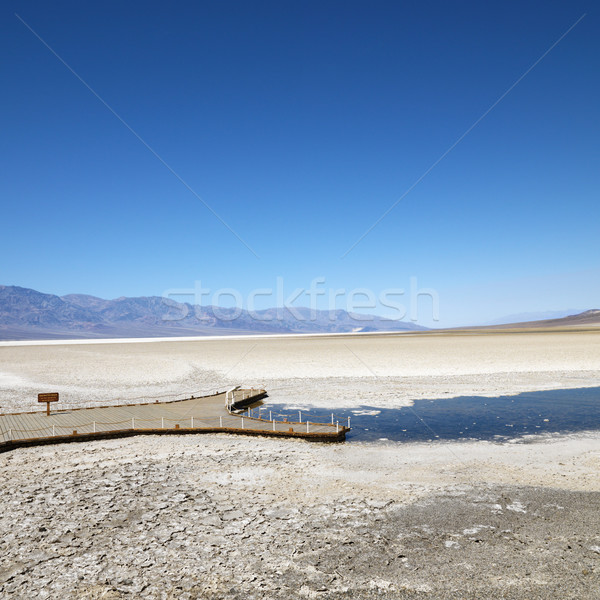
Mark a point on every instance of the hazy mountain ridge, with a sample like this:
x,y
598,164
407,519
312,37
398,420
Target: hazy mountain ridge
x,y
535,316
587,318
29,314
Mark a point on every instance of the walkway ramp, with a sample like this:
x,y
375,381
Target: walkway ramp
x,y
207,414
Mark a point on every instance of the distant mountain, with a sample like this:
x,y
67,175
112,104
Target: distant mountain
x,y
28,314
535,316
588,318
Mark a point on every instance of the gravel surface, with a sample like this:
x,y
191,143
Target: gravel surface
x,y
220,517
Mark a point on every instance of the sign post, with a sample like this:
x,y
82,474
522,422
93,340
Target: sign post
x,y
48,398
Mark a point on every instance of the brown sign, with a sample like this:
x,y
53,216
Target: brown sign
x,y
52,397
47,398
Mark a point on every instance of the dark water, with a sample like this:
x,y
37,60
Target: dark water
x,y
469,417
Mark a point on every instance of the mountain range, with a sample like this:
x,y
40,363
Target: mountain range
x,y
588,318
29,314
535,316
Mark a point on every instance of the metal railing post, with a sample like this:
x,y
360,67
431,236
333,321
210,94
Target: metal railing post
x,y
242,422
132,422
220,421
307,427
162,420
192,422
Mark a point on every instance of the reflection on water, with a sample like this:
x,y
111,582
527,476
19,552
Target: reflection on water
x,y
468,417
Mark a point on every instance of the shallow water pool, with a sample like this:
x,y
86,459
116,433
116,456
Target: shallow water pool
x,y
467,417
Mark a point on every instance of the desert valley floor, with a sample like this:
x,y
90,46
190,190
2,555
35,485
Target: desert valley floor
x,y
221,517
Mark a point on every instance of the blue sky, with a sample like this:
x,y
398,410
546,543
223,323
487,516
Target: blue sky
x,y
300,124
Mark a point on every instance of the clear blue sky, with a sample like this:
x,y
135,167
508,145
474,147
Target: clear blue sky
x,y
300,124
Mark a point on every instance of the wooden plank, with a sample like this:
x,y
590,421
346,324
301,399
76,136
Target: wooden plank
x,y
208,413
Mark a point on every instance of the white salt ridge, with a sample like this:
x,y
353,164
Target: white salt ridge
x,y
516,507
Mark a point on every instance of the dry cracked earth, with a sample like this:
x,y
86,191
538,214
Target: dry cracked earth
x,y
212,517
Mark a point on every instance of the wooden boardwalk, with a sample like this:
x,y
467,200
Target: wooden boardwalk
x,y
208,414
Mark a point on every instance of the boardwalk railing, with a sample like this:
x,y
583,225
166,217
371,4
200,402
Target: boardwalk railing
x,y
302,417
248,397
215,413
120,401
133,424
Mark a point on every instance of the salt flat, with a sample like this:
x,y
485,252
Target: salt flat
x,y
220,517
340,371
207,517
